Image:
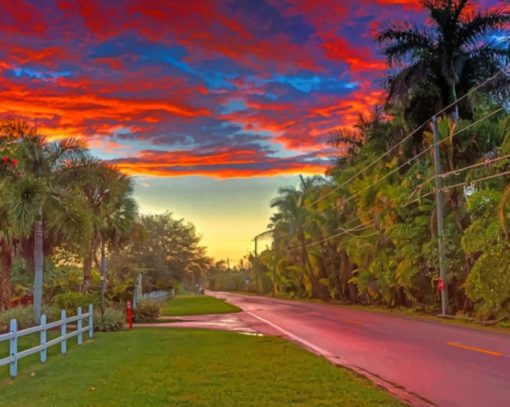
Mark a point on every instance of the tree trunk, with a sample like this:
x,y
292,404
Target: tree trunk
x,y
5,276
38,267
307,267
103,274
87,271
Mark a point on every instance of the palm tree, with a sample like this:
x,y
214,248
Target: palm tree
x,y
433,64
118,214
108,194
291,221
8,174
36,189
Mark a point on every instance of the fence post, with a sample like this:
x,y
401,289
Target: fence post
x,y
80,327
13,349
63,332
91,320
43,338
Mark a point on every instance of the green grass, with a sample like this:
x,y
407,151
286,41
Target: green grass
x,y
29,341
196,305
166,367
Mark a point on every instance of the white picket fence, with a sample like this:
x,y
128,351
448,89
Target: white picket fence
x,y
13,335
157,295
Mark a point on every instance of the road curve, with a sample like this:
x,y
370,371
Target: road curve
x,y
423,362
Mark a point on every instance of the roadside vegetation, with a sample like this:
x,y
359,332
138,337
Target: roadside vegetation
x,y
71,235
190,367
196,305
366,233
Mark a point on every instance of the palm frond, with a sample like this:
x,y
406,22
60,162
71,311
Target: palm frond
x,y
476,30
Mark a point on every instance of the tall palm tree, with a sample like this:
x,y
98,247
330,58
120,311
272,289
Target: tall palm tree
x,y
434,64
36,189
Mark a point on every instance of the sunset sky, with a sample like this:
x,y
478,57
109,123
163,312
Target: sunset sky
x,y
211,105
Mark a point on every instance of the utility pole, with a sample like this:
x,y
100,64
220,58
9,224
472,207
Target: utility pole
x,y
440,220
256,263
274,275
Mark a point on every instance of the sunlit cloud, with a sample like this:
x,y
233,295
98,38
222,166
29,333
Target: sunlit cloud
x,y
223,89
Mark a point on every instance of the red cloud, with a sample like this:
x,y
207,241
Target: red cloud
x,y
228,162
17,14
360,59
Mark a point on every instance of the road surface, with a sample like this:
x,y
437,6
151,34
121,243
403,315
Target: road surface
x,y
423,362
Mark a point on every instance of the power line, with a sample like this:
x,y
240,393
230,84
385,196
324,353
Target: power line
x,y
472,90
460,184
460,170
362,227
365,227
420,154
357,228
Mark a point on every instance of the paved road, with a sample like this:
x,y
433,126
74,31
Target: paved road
x,y
424,362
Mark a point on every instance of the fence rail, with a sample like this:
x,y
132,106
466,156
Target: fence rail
x,y
157,295
13,335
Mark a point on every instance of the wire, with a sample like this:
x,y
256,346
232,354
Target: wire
x,y
362,227
405,139
460,184
420,154
459,170
357,228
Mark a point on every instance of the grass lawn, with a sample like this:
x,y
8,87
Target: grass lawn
x,y
166,367
29,341
196,305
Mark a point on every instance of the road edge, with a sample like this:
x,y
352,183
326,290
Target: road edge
x,y
398,391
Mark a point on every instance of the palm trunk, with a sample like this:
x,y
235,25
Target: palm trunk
x,y
456,110
5,277
38,267
87,271
307,267
103,274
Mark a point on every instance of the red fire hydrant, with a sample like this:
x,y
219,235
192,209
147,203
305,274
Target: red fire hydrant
x,y
129,315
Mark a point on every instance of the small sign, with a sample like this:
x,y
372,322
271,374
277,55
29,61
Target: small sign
x,y
440,284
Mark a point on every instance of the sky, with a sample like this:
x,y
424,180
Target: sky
x,y
211,105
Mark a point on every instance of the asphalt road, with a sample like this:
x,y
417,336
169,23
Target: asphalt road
x,y
423,362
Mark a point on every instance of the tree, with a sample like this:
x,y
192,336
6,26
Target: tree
x,y
8,175
434,64
37,189
168,255
108,195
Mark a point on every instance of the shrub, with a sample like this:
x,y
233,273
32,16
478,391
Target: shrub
x,y
70,301
111,320
52,312
147,311
23,315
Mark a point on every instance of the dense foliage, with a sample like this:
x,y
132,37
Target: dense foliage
x,y
366,233
64,213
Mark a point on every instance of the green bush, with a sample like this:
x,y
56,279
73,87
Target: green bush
x,y
23,315
147,311
70,301
111,320
52,312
